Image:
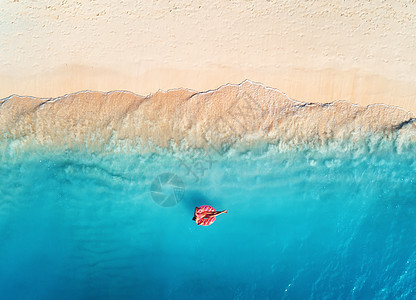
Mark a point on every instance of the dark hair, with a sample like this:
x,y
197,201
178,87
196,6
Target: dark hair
x,y
193,219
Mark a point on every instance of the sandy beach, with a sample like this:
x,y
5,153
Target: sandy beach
x,y
313,51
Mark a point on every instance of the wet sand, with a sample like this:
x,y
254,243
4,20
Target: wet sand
x,y
239,116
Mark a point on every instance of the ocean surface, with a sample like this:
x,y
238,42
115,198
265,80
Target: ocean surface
x,y
300,225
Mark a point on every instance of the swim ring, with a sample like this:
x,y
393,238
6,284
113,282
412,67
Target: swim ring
x,y
206,221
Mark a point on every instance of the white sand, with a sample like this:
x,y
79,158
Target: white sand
x,y
322,51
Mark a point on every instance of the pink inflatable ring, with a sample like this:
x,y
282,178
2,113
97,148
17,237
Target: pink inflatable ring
x,y
205,221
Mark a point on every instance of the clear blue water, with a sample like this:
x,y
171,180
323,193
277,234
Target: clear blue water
x,y
299,226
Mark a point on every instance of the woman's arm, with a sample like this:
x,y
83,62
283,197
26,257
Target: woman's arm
x,y
214,213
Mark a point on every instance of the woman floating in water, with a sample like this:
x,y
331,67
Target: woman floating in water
x,y
205,215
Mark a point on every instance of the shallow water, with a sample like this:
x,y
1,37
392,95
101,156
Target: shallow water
x,y
299,225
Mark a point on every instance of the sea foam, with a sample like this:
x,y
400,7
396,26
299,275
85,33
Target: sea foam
x,y
231,117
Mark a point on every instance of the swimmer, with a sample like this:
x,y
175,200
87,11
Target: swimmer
x,y
205,215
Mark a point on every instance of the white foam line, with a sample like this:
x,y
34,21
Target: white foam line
x,y
49,99
207,92
275,90
227,85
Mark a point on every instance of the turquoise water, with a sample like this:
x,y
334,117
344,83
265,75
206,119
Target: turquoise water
x,y
299,225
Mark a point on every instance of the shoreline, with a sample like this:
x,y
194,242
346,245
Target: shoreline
x,y
166,91
242,115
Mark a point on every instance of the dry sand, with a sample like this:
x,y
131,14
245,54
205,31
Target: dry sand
x,y
319,51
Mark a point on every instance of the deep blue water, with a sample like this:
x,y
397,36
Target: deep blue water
x,y
299,226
